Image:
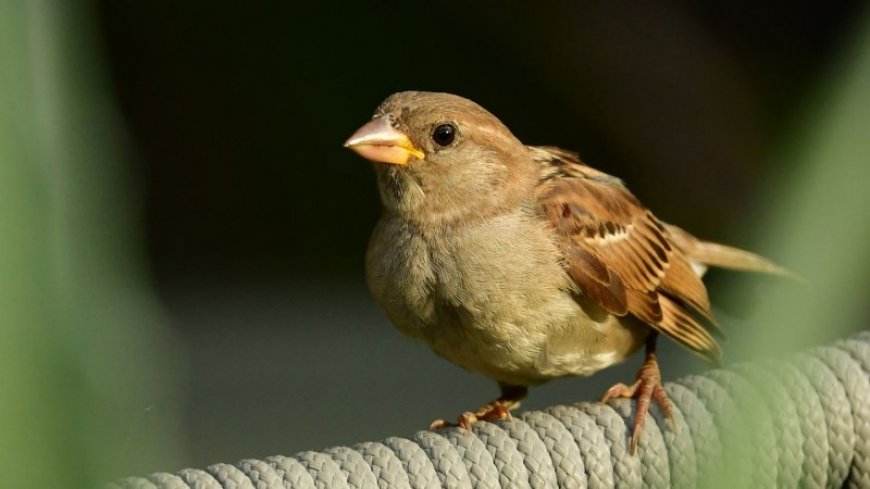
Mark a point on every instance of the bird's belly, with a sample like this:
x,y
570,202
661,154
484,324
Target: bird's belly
x,y
532,350
590,344
495,300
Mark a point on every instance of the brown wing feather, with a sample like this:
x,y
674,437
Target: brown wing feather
x,y
596,280
619,254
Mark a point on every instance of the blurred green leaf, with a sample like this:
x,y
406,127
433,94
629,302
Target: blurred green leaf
x,y
84,360
818,222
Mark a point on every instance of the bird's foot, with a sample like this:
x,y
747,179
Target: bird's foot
x,y
647,387
494,411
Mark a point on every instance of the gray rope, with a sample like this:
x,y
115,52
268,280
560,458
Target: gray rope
x,y
800,422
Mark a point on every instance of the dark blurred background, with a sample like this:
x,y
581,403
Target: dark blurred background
x,y
237,110
257,219
200,217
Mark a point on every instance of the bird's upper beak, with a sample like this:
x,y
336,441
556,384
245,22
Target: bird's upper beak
x,y
379,141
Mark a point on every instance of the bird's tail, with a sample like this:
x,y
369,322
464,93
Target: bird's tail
x,y
705,253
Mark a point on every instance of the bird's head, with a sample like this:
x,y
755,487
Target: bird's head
x,y
441,157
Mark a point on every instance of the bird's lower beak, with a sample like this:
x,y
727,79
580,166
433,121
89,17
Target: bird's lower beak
x,y
379,141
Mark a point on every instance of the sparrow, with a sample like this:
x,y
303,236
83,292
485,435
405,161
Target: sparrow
x,y
523,263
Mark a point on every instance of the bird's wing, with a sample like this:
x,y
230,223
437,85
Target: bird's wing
x,y
619,254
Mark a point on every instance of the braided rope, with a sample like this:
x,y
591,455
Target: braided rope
x,y
801,422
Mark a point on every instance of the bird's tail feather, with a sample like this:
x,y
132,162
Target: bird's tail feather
x,y
718,255
722,256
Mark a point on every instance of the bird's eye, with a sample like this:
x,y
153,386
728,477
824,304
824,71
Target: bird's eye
x,y
444,134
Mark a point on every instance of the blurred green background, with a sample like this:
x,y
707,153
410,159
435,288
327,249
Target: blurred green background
x,y
181,232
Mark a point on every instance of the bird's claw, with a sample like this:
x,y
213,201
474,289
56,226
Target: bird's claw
x,y
646,388
493,411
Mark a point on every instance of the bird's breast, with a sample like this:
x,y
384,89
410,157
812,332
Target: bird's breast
x,y
491,297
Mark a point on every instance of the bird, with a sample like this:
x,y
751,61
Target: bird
x,y
523,263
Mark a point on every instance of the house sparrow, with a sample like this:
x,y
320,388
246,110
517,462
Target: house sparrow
x,y
522,263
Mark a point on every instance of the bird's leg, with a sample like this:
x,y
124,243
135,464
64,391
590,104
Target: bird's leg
x,y
510,398
647,387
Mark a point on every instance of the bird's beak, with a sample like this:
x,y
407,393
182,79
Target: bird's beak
x,y
379,141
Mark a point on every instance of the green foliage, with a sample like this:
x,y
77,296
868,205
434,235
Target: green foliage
x,y
818,221
80,372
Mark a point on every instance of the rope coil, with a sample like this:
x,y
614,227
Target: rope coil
x,y
800,422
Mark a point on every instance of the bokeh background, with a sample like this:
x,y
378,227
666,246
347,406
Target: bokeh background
x,y
181,270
